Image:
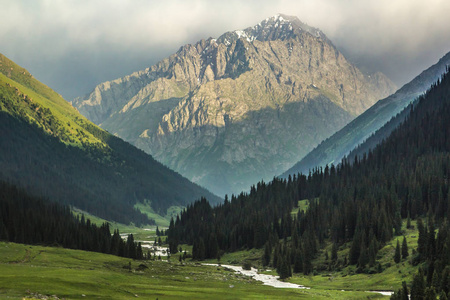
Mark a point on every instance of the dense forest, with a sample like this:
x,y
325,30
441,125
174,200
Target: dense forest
x,y
360,202
32,220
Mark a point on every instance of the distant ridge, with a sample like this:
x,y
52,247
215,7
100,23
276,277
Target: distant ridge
x,y
334,148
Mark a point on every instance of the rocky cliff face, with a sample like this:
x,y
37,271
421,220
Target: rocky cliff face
x,y
231,111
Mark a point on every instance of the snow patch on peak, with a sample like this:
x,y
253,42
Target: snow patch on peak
x,y
243,34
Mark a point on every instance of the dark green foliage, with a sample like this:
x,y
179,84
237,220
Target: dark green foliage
x,y
266,255
421,242
397,255
401,294
32,220
418,286
334,254
430,293
405,292
284,268
247,265
404,248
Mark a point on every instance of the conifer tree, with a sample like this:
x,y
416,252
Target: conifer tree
x,y
298,262
334,253
397,256
266,255
405,292
422,240
404,248
418,286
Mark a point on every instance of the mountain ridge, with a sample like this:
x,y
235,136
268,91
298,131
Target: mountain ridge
x,y
211,109
51,150
335,147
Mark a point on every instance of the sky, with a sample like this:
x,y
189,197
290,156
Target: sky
x,y
73,45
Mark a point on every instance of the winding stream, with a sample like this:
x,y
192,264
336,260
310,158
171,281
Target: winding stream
x,y
274,281
264,278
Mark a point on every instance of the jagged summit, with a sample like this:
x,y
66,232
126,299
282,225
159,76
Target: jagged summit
x,y
278,27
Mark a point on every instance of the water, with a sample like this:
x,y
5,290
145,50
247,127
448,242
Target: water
x,y
274,281
266,279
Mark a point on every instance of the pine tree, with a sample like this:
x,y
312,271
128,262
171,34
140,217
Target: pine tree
x,y
404,248
266,255
430,293
408,221
405,291
363,257
397,256
422,240
298,262
285,269
334,253
418,286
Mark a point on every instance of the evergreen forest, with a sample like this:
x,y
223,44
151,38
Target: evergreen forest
x,y
36,221
360,202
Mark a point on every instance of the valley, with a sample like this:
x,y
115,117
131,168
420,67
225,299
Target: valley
x,y
165,183
35,271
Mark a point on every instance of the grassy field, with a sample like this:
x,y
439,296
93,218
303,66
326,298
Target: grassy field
x,y
348,279
35,271
172,211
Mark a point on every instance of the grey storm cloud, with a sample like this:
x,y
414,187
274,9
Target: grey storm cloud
x,y
72,45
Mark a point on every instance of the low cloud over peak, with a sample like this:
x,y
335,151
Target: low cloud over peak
x,y
74,45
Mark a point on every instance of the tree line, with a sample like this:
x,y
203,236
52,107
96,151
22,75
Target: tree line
x,y
33,220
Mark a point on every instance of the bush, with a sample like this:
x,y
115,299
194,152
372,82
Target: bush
x,y
247,265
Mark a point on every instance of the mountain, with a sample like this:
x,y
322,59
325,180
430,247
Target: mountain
x,y
334,148
231,111
51,150
356,210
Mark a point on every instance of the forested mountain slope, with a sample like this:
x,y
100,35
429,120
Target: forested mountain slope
x,y
334,148
49,149
357,206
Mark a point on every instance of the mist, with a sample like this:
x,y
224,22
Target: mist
x,y
74,45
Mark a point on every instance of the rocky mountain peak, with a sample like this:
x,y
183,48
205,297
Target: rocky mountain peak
x,y
278,27
227,112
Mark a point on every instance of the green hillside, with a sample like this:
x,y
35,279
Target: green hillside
x,y
51,150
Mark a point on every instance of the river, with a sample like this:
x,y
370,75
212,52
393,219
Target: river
x,y
274,281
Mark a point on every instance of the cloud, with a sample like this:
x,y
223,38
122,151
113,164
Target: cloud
x,y
74,45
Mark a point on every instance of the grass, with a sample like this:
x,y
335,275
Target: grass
x,y
146,208
323,284
302,205
147,233
347,278
26,271
59,108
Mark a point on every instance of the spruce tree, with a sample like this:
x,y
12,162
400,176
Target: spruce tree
x,y
397,256
266,255
418,286
404,248
298,262
405,291
334,253
422,240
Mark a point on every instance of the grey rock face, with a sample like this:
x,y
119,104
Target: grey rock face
x,y
231,111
